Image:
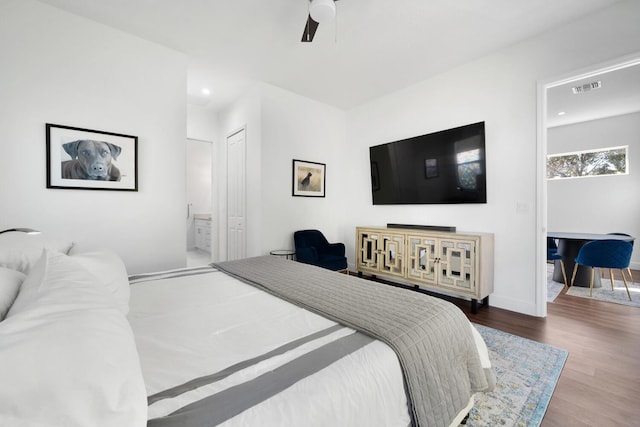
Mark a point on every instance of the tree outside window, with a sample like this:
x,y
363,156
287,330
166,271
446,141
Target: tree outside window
x,y
605,161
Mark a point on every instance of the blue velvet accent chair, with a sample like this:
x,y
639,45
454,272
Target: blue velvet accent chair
x,y
313,248
605,254
552,255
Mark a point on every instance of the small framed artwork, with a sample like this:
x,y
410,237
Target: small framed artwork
x,y
430,168
86,159
308,178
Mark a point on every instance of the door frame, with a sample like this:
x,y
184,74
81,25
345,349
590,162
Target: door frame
x,y
541,166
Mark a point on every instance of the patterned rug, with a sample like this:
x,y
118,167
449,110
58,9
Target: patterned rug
x,y
604,293
527,372
553,288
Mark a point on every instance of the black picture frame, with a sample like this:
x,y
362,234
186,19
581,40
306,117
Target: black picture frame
x,y
309,179
109,162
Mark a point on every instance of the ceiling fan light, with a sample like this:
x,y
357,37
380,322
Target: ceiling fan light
x,y
322,10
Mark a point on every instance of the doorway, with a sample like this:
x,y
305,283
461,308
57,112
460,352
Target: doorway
x,y
562,107
199,209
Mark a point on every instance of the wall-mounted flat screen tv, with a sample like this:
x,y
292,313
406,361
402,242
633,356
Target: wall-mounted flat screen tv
x,y
441,167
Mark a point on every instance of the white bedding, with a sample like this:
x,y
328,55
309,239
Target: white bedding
x,y
67,352
188,327
213,321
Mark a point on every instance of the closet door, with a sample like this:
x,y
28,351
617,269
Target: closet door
x,y
236,195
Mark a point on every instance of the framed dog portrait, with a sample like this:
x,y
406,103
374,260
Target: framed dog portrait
x,y
308,178
85,159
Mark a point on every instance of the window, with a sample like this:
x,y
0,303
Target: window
x,y
468,169
605,161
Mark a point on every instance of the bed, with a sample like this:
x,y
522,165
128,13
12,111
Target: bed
x,y
261,341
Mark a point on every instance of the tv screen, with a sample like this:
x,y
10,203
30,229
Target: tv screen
x,y
440,167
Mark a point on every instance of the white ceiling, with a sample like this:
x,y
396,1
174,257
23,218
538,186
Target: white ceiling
x,y
374,48
619,93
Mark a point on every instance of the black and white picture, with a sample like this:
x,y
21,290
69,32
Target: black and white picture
x,y
91,160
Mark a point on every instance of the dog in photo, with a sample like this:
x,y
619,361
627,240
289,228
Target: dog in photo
x,y
91,160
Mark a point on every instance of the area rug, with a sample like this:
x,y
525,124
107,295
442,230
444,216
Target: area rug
x,y
553,288
526,372
604,293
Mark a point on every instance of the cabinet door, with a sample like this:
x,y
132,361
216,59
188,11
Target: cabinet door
x,y
422,258
199,240
456,267
391,253
381,252
368,250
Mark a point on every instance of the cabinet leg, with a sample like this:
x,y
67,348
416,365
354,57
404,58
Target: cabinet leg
x,y
474,304
359,273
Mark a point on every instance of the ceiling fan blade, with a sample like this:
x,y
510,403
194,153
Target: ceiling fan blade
x,y
310,28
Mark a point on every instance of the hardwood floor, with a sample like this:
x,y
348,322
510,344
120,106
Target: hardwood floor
x,y
600,383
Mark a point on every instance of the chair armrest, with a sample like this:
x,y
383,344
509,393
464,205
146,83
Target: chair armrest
x,y
336,249
307,255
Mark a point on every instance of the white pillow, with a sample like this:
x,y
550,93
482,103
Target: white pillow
x,y
68,356
106,270
109,271
20,251
10,281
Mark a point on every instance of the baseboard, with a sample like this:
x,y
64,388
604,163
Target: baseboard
x,y
511,304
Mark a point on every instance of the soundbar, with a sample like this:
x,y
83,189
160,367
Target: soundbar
x,y
424,227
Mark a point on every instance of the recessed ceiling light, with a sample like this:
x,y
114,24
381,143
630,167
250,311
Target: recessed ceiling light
x,y
561,113
206,91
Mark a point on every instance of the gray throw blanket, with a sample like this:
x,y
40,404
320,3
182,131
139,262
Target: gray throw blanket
x,y
431,337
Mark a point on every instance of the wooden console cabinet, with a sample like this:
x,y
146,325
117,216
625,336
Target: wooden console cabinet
x,y
458,264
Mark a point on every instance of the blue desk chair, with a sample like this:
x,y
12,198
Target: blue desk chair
x,y
313,248
552,255
605,254
628,268
551,245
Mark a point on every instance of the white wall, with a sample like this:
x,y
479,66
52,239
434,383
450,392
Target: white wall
x,y
282,126
295,127
601,204
202,123
499,89
63,69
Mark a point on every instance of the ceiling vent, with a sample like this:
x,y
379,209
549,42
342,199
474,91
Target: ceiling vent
x,y
587,87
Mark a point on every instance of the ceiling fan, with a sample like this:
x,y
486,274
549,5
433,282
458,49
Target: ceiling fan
x,y
319,11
